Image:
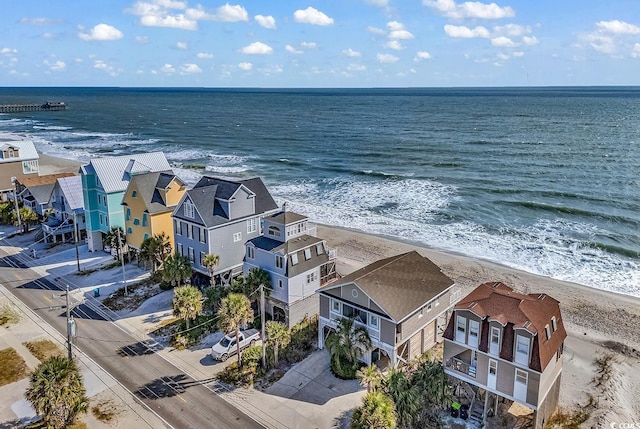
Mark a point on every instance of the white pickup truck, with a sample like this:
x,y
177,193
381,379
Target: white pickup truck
x,y
227,345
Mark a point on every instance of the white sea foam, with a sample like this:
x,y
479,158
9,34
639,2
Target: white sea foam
x,y
51,128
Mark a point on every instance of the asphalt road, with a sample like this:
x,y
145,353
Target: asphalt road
x,y
177,398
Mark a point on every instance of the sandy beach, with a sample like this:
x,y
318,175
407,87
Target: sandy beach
x,y
596,321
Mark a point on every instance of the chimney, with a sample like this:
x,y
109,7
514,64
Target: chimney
x,y
284,207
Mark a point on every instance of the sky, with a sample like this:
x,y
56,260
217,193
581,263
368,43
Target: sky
x,y
319,43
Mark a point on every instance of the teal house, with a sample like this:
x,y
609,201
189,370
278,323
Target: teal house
x,y
104,181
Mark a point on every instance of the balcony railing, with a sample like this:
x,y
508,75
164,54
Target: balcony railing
x,y
461,366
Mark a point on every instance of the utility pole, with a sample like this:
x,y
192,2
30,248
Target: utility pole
x,y
124,280
70,325
262,323
15,200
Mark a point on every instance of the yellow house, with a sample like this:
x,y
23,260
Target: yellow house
x,y
148,203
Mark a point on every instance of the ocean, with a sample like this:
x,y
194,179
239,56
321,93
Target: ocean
x,y
545,180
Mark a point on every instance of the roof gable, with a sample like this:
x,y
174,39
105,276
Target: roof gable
x,y
115,173
71,189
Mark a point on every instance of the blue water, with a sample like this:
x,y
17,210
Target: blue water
x,y
546,180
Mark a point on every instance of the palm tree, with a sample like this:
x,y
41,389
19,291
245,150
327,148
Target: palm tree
x,y
277,335
177,269
255,278
432,381
370,376
155,250
376,412
210,262
187,303
405,396
111,239
28,218
235,312
147,252
56,391
347,341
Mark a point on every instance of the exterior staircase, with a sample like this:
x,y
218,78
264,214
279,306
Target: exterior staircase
x,y
475,413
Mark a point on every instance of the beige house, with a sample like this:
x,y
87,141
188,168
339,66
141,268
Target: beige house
x,y
18,159
404,302
508,344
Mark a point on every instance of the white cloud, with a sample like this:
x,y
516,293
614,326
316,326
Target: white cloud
x,y
8,51
395,45
271,69
376,30
57,66
512,30
102,32
204,55
470,9
245,66
101,65
141,39
351,53
422,55
293,50
635,53
169,21
225,13
377,2
465,32
266,21
167,68
530,40
38,21
503,42
618,27
190,68
356,67
309,45
311,16
518,54
257,48
182,45
398,31
387,58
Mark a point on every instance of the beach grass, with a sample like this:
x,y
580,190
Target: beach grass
x,y
12,366
43,349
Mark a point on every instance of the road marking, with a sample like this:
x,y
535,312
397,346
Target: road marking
x,y
47,298
181,398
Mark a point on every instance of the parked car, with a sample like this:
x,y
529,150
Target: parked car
x,y
227,345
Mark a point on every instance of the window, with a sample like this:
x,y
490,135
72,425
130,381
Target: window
x,y
307,254
279,282
521,376
374,321
101,221
203,235
105,200
188,210
180,249
136,221
190,232
129,230
176,227
144,219
237,237
494,344
11,153
279,261
30,167
554,324
421,313
145,237
252,225
274,230
128,216
429,307
493,367
461,329
294,259
474,328
319,249
202,254
192,254
250,252
335,306
547,331
134,194
522,350
311,277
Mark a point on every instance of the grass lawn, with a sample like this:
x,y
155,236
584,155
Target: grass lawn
x,y
12,366
43,349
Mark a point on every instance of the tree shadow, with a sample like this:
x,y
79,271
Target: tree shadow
x,y
168,386
343,421
141,348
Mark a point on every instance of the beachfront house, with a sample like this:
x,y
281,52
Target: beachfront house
x,y
508,344
104,181
66,211
217,217
297,261
148,203
35,191
403,301
18,159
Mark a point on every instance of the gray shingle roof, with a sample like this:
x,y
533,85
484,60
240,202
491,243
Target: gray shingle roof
x,y
287,218
295,245
148,185
206,193
42,193
115,172
71,188
400,285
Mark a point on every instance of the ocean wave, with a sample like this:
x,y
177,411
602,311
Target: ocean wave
x,y
51,128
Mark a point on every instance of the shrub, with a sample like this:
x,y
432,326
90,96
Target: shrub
x,y
251,356
346,371
8,315
166,285
238,376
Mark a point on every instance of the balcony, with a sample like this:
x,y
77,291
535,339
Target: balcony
x,y
461,366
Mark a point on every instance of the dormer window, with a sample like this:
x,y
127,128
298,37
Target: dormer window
x,y
294,259
547,331
522,350
11,155
134,194
250,252
274,230
307,254
279,261
319,249
554,324
188,210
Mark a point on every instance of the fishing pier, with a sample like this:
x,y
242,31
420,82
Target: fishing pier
x,y
48,106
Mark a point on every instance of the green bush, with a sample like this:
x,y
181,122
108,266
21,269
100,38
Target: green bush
x,y
304,340
202,325
347,371
243,376
166,285
251,356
